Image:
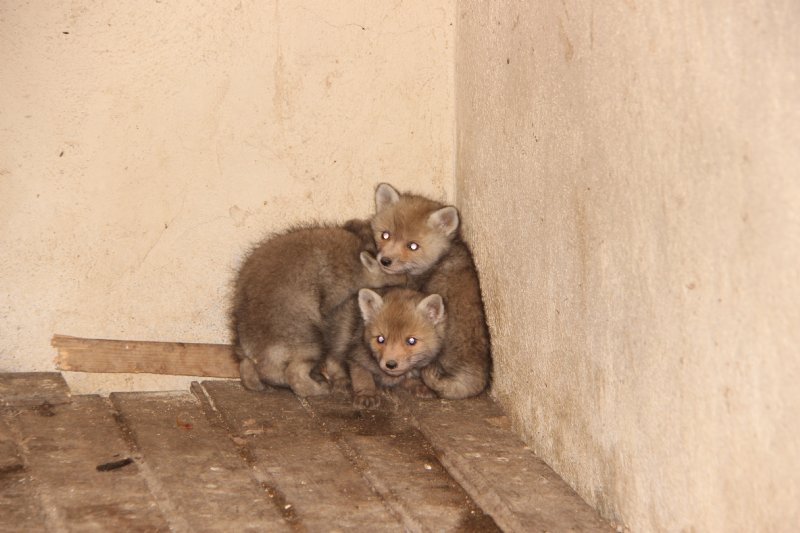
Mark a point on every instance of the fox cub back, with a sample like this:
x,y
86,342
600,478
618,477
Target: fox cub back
x,y
402,332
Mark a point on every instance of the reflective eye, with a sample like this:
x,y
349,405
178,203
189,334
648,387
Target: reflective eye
x,y
385,235
413,246
411,341
381,339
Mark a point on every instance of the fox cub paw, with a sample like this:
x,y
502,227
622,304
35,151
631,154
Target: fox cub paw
x,y
366,401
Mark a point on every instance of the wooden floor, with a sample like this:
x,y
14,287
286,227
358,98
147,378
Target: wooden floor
x,y
220,458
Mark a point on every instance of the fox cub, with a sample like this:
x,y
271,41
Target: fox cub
x,y
420,237
395,336
286,289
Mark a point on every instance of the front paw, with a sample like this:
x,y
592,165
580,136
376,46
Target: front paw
x,y
366,401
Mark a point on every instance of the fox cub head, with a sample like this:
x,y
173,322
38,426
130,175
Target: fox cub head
x,y
404,328
411,232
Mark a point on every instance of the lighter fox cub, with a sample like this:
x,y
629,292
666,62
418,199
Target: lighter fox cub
x,y
285,290
420,237
395,336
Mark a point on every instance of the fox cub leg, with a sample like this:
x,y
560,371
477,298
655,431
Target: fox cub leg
x,y
301,365
250,378
337,375
365,393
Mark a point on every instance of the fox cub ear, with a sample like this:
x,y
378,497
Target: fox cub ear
x,y
369,262
444,220
432,307
370,302
385,195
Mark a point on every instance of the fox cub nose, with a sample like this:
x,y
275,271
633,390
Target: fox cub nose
x,y
391,365
385,261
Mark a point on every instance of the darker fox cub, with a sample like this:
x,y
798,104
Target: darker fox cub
x,y
286,288
420,237
400,333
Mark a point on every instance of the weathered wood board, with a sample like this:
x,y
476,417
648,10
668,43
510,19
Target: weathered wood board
x,y
28,389
401,466
474,441
302,464
114,356
192,466
63,445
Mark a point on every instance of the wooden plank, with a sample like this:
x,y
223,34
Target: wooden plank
x,y
63,447
474,441
10,454
29,389
193,467
304,468
114,356
20,509
401,466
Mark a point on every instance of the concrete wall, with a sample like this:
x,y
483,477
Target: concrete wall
x,y
143,145
629,176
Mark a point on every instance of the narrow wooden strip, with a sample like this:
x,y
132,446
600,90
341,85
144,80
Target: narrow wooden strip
x,y
194,465
63,445
29,389
401,466
302,463
114,356
474,441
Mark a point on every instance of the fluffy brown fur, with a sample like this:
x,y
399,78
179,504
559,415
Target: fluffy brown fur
x,y
395,336
417,236
285,290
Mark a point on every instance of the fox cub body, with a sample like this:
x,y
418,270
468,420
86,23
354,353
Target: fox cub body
x,y
397,333
420,237
286,289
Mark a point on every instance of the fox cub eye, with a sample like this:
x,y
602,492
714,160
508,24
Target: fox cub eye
x,y
385,235
381,339
413,246
411,341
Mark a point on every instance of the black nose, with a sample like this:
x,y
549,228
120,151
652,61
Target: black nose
x,y
391,365
385,261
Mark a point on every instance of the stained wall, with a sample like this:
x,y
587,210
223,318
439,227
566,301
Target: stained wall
x,y
628,176
144,145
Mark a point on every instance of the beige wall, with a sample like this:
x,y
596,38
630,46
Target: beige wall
x,y
629,176
143,145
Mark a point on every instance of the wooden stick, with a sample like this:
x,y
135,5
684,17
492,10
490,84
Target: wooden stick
x,y
179,358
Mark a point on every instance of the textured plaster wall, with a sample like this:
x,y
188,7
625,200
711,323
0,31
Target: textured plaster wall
x,y
629,174
144,145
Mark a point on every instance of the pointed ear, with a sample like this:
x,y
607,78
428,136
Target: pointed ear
x,y
432,307
444,220
369,262
385,195
370,302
